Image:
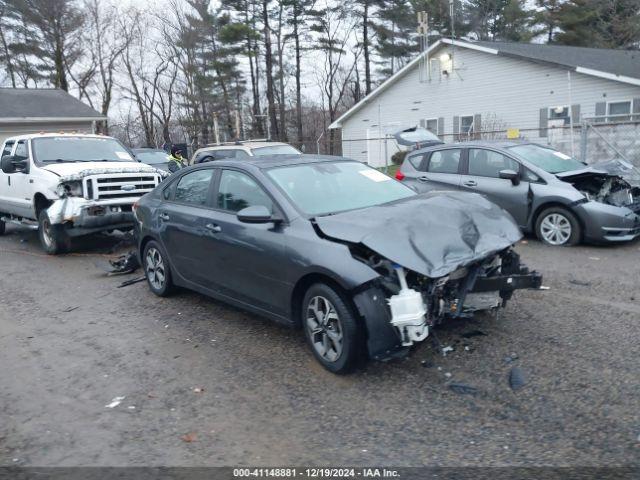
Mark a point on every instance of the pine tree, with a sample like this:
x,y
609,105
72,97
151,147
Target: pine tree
x,y
599,23
48,35
499,20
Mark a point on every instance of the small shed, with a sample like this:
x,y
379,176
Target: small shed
x,y
32,110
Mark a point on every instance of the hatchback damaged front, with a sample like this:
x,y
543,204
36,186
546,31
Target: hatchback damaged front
x,y
361,262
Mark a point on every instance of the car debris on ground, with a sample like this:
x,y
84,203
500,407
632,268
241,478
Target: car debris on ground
x,y
517,378
115,402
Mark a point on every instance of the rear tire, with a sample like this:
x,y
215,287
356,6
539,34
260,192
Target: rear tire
x,y
331,329
157,269
557,226
53,238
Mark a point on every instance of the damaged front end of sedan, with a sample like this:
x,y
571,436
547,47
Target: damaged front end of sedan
x,y
439,256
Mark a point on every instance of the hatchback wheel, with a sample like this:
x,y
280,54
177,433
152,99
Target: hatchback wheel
x,y
558,226
331,329
156,269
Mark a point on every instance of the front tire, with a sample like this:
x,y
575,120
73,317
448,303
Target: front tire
x,y
157,270
53,237
557,226
331,329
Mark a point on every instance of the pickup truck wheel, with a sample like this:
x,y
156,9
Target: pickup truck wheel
x,y
53,238
557,226
331,329
157,270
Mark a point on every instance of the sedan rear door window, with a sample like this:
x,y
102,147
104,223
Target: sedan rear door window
x,y
444,161
194,187
238,190
487,163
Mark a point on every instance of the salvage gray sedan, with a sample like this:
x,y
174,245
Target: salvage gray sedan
x,y
561,200
364,264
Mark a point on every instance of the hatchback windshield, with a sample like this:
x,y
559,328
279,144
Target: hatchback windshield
x,y
275,150
152,157
547,159
325,188
79,149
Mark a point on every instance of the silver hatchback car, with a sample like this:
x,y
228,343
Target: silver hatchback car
x,y
561,200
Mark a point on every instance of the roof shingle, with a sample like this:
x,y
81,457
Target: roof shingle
x,y
42,103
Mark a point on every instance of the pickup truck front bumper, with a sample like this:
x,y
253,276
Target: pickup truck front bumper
x,y
85,216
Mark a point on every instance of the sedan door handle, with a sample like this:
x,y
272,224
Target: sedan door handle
x,y
163,217
423,179
470,183
213,227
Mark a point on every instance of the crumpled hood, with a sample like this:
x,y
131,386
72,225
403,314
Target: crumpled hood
x,y
616,168
432,234
78,170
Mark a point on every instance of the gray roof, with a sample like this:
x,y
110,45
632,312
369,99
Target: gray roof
x,y
42,103
617,62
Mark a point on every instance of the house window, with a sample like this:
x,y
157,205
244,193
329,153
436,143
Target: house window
x,y
466,125
618,111
432,125
560,113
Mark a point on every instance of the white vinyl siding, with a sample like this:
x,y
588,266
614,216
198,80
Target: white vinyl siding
x,y
514,91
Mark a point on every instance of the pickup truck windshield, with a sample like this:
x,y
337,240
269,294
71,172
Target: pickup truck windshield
x,y
327,188
78,149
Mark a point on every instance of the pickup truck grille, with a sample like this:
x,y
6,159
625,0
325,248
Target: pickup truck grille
x,y
123,185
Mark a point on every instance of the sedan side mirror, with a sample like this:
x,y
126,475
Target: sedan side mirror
x,y
510,175
256,214
11,164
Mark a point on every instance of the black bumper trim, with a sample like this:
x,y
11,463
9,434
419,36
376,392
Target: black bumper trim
x,y
507,283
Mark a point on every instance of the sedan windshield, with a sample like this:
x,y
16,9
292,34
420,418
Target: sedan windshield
x,y
547,159
326,188
152,157
79,149
275,150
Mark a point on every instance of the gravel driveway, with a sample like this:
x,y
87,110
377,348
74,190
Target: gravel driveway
x,y
206,384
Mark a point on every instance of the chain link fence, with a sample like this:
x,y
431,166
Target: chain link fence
x,y
591,140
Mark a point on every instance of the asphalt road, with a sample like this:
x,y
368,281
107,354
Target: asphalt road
x,y
206,384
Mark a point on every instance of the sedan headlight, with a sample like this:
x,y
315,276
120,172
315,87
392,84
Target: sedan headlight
x,y
69,189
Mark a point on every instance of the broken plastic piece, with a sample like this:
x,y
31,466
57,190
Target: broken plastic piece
x,y
115,402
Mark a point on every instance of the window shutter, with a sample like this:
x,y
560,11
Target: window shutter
x,y
575,114
456,125
423,123
544,121
441,126
635,108
477,125
601,111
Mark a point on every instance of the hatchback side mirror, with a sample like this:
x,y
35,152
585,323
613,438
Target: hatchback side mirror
x,y
510,175
255,214
11,164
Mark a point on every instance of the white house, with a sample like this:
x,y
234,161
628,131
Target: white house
x,y
458,89
32,110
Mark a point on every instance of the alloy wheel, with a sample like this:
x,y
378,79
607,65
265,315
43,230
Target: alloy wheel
x,y
325,328
155,268
556,229
46,233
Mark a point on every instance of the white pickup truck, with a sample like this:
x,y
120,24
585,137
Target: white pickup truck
x,y
68,185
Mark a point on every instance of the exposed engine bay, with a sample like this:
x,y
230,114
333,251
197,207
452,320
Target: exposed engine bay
x,y
417,302
608,189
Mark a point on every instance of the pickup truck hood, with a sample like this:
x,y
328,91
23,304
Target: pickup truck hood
x,y
78,170
613,168
433,234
